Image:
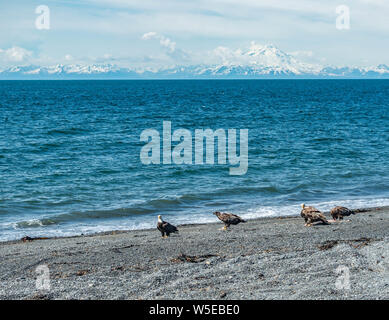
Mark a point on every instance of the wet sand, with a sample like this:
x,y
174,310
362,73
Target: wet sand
x,y
270,258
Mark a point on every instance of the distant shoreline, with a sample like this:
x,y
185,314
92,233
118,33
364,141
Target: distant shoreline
x,y
195,79
265,258
118,231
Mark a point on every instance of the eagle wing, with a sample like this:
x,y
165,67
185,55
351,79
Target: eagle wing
x,y
224,217
167,227
235,218
229,218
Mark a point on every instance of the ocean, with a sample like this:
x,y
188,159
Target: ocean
x,y
70,151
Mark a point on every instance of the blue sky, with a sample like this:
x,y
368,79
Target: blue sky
x,y
169,32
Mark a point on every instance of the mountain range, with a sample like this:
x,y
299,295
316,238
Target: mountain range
x,y
258,62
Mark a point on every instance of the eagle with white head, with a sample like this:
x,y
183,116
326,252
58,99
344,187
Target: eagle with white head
x,y
165,227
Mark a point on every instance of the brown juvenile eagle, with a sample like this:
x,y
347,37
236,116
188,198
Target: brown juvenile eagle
x,y
228,218
340,212
165,227
311,214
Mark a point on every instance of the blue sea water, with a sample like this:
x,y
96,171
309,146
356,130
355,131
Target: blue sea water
x,y
69,151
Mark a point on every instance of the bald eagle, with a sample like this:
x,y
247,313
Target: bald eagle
x,y
165,227
228,219
340,212
311,214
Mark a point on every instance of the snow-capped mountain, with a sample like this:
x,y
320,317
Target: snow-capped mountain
x,y
256,62
64,71
375,71
269,57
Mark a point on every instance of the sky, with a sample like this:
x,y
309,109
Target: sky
x,y
149,33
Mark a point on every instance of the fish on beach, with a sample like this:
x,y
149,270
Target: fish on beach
x,y
311,215
339,212
165,227
228,219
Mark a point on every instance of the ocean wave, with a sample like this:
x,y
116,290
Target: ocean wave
x,y
50,227
145,208
34,223
294,209
143,212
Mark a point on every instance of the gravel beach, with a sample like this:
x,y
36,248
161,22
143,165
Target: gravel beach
x,y
269,258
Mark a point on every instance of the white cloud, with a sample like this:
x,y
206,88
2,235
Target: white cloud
x,y
167,43
307,53
149,35
197,27
68,57
15,54
171,50
164,41
227,55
